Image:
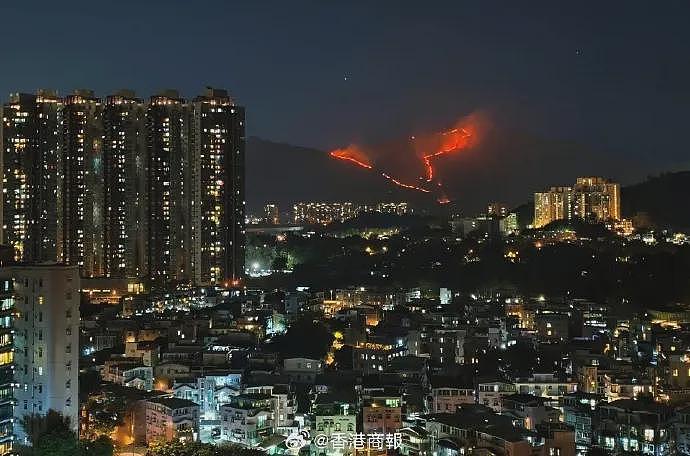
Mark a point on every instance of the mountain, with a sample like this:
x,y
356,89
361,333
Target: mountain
x,y
658,200
662,198
507,166
286,174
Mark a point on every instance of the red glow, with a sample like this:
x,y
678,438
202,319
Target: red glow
x,y
429,169
464,134
353,154
400,184
451,141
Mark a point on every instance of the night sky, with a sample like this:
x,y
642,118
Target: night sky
x,y
613,75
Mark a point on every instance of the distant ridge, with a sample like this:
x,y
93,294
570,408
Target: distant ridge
x,y
508,166
664,199
660,199
285,174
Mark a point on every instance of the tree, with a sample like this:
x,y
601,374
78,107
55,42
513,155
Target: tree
x,y
101,446
178,448
305,337
38,427
53,445
51,435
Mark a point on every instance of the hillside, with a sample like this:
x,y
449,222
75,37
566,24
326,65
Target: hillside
x,y
507,166
662,198
286,174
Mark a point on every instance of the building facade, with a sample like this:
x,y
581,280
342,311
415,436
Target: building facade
x,y
82,187
169,189
31,157
218,200
591,198
124,177
169,418
125,189
39,351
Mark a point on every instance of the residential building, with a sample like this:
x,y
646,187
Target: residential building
x,y
247,419
382,415
218,200
39,346
448,393
635,425
490,394
592,198
169,418
169,189
31,156
302,370
82,186
125,206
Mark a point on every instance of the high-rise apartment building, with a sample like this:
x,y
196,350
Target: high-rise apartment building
x,y
169,189
124,186
31,156
82,196
271,214
495,209
218,201
555,204
591,198
39,346
324,213
597,198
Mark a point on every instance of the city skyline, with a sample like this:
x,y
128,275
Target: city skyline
x,y
123,188
307,228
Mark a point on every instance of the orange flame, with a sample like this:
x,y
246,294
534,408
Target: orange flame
x,y
354,154
450,141
464,134
400,184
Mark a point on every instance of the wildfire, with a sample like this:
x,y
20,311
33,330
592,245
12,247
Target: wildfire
x,y
353,154
451,141
429,169
463,135
400,184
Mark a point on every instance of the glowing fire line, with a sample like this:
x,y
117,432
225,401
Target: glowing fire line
x,y
457,138
351,159
397,182
460,142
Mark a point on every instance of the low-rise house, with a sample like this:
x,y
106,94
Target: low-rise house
x,y
546,385
478,430
169,418
171,370
580,412
448,393
284,405
491,394
247,419
382,415
334,413
302,370
528,409
147,351
210,391
128,372
632,425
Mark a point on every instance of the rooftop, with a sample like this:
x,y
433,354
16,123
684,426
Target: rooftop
x,y
173,402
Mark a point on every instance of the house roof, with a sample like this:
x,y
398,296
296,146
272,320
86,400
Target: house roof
x,y
173,402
